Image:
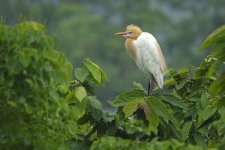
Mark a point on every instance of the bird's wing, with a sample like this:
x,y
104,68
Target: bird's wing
x,y
152,57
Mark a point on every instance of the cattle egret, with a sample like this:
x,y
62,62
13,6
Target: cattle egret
x,y
146,52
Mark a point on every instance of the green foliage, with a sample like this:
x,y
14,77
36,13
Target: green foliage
x,y
33,112
40,109
216,41
111,143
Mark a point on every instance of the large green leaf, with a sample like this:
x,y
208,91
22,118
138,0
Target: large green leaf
x,y
206,114
159,108
81,73
80,93
125,97
214,37
78,110
98,74
185,130
131,106
175,101
152,118
204,100
95,72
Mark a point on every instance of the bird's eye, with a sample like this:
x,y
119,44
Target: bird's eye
x,y
130,32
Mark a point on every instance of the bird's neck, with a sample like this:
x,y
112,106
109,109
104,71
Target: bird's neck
x,y
131,50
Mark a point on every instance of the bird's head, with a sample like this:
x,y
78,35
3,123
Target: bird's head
x,y
132,31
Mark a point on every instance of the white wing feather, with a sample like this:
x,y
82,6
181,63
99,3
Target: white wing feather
x,y
148,58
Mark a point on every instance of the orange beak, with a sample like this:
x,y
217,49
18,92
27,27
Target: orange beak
x,y
121,33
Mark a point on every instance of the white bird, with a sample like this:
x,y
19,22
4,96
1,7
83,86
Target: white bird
x,y
146,52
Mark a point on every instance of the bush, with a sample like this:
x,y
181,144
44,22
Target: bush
x,y
40,109
33,112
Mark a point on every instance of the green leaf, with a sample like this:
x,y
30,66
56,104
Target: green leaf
x,y
153,120
78,110
13,65
104,75
184,70
80,93
218,85
81,73
125,97
213,37
95,108
131,106
180,85
138,85
24,58
206,114
79,145
185,130
94,70
204,100
159,108
51,55
200,140
175,101
63,89
94,102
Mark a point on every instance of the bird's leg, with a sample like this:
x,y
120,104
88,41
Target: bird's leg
x,y
150,87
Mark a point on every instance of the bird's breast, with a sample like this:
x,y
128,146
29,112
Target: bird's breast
x,y
130,48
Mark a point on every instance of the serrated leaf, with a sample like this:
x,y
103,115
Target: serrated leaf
x,y
200,140
185,130
206,114
80,93
81,73
159,108
175,101
153,120
130,107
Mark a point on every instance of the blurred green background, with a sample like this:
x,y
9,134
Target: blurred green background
x,y
85,28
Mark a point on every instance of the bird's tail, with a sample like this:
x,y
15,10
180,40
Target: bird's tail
x,y
159,80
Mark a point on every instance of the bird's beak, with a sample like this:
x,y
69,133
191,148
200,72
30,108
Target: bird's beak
x,y
121,33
